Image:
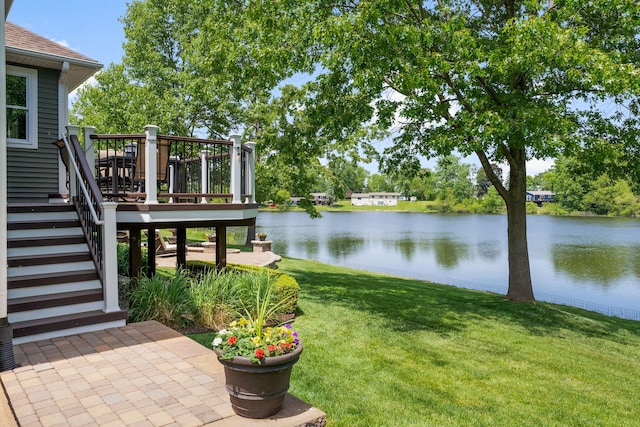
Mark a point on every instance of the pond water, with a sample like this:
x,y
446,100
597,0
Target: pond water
x,y
588,262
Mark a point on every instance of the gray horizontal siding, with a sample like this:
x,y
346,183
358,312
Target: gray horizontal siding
x,y
33,174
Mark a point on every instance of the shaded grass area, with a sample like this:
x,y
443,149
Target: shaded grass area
x,y
389,351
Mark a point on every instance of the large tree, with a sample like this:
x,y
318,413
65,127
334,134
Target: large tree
x,y
507,80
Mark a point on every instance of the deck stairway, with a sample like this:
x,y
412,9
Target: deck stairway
x,y
53,286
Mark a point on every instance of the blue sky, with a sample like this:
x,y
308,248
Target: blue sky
x,y
93,28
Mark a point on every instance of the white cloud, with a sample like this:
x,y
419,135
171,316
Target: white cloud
x,y
534,167
62,43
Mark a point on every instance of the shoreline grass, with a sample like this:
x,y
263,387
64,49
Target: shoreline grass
x,y
390,351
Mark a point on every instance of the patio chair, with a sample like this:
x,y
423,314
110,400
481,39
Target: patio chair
x,y
162,247
162,163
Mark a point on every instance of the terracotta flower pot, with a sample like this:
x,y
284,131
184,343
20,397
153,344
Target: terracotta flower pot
x,y
257,391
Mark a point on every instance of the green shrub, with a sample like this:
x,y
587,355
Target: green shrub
x,y
215,298
167,300
286,287
123,259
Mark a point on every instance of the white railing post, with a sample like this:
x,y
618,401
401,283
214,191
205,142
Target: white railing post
x,y
110,257
236,168
204,174
89,149
250,172
73,188
150,164
172,172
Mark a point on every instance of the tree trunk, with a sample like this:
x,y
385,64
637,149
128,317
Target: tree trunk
x,y
520,287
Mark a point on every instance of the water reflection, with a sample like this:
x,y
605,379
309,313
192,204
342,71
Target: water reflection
x,y
341,246
489,249
596,259
406,246
449,253
595,264
311,247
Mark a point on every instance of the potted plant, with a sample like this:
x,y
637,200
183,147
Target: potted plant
x,y
261,236
257,358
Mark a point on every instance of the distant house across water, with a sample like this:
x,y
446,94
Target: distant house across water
x,y
375,199
540,197
318,199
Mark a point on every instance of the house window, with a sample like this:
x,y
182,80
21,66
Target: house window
x,y
22,107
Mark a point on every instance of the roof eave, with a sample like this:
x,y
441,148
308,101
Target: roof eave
x,y
79,70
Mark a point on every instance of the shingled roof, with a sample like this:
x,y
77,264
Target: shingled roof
x,y
21,38
24,47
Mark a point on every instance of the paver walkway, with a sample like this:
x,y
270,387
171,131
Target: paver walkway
x,y
263,259
143,374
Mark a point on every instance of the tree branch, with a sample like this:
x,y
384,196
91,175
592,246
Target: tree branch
x,y
486,165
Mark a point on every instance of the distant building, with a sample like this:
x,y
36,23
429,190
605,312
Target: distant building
x,y
320,199
539,197
317,199
375,199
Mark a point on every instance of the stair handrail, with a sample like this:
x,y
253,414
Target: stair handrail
x,y
83,187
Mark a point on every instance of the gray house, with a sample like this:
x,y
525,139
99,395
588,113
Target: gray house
x,y
66,193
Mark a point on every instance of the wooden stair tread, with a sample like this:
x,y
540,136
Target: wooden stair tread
x,y
43,224
39,207
46,259
15,305
18,282
50,324
25,242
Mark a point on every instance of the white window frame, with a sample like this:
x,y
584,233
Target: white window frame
x,y
32,108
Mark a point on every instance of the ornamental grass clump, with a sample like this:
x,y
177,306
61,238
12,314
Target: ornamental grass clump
x,y
242,339
250,336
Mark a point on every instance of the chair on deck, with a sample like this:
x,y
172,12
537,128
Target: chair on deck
x,y
162,163
162,247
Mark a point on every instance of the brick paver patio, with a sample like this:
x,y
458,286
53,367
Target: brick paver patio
x,y
143,374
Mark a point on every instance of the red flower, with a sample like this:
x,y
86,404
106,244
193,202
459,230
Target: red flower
x,y
259,353
232,340
271,348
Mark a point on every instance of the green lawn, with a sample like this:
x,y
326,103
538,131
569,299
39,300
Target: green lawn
x,y
388,351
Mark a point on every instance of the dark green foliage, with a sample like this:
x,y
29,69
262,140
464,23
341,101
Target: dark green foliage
x,y
166,300
203,297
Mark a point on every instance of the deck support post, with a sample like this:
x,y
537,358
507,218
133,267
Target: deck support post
x,y
250,172
221,248
135,253
181,247
150,164
151,251
236,168
110,258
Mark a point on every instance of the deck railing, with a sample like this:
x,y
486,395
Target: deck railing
x,y
85,196
150,167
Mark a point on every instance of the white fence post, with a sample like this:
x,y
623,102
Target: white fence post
x,y
110,257
250,172
150,164
236,169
